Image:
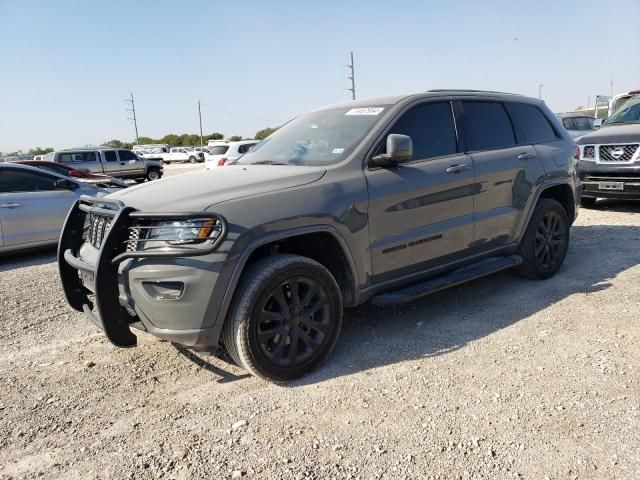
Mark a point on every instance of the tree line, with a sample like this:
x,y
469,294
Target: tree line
x,y
186,139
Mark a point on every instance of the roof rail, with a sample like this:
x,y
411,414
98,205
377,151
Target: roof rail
x,y
468,90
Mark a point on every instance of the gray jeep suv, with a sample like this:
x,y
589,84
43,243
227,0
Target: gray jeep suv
x,y
386,199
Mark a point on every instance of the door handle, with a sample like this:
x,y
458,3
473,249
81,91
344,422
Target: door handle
x,y
121,163
526,156
457,168
11,205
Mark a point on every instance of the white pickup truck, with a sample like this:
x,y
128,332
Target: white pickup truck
x,y
118,163
169,154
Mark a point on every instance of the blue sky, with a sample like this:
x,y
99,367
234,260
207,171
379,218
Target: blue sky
x,y
66,66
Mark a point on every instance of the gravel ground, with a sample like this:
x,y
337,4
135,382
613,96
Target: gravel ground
x,y
499,378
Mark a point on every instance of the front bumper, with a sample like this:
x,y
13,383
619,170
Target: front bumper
x,y
100,283
595,177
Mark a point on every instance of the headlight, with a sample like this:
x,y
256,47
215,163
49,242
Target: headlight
x,y
176,232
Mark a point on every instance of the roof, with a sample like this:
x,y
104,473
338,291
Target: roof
x,y
393,99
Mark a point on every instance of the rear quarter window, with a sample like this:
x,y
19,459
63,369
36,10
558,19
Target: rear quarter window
x,y
533,124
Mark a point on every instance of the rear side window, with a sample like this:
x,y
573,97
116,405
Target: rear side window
x,y
219,150
532,123
76,157
110,156
431,128
126,155
487,126
16,181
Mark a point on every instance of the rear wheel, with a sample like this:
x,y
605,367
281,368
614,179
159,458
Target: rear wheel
x,y
546,240
193,159
285,319
587,202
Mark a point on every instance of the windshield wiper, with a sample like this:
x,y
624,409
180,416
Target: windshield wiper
x,y
267,162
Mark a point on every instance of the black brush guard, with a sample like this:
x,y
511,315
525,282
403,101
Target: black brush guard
x,y
111,316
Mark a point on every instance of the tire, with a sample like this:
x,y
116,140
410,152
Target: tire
x,y
153,174
192,159
546,240
587,202
266,298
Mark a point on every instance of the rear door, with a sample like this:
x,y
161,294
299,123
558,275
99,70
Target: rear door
x,y
421,212
31,209
506,170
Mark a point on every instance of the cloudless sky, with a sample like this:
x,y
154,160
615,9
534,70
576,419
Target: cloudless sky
x,y
66,66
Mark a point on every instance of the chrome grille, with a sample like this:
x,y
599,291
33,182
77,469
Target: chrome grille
x,y
617,153
98,228
589,151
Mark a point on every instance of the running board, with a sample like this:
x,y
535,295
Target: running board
x,y
461,275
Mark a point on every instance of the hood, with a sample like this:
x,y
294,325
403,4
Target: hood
x,y
629,133
196,191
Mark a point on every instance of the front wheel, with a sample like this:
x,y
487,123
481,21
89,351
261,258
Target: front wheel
x,y
285,319
545,243
153,174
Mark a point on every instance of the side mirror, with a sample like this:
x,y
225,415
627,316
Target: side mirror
x,y
63,184
597,123
399,149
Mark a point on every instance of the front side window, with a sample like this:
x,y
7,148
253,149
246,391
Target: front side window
x,y
320,138
532,122
18,181
584,123
77,157
569,124
487,126
431,128
126,155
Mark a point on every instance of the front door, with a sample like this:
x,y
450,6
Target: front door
x,y
31,209
421,212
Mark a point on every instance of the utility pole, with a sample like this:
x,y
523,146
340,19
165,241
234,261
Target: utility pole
x,y
611,86
540,90
134,119
200,117
352,77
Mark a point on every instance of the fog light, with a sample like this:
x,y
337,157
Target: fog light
x,y
164,290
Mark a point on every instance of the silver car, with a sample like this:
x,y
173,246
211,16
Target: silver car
x,y
34,205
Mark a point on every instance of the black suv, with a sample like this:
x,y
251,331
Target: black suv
x,y
386,199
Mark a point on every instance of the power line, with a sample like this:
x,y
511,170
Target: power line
x,y
134,119
240,114
352,77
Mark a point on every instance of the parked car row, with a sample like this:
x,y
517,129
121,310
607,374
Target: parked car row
x,y
34,203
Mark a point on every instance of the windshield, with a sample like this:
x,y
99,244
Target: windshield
x,y
319,138
628,113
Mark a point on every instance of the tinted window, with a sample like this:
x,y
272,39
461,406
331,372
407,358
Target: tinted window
x,y
126,155
17,181
532,122
74,157
244,148
110,156
487,126
584,123
568,123
219,150
431,128
59,169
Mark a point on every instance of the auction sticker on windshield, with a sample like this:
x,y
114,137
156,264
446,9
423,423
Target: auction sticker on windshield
x,y
365,111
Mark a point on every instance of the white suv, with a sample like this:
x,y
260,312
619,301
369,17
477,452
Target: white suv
x,y
224,153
